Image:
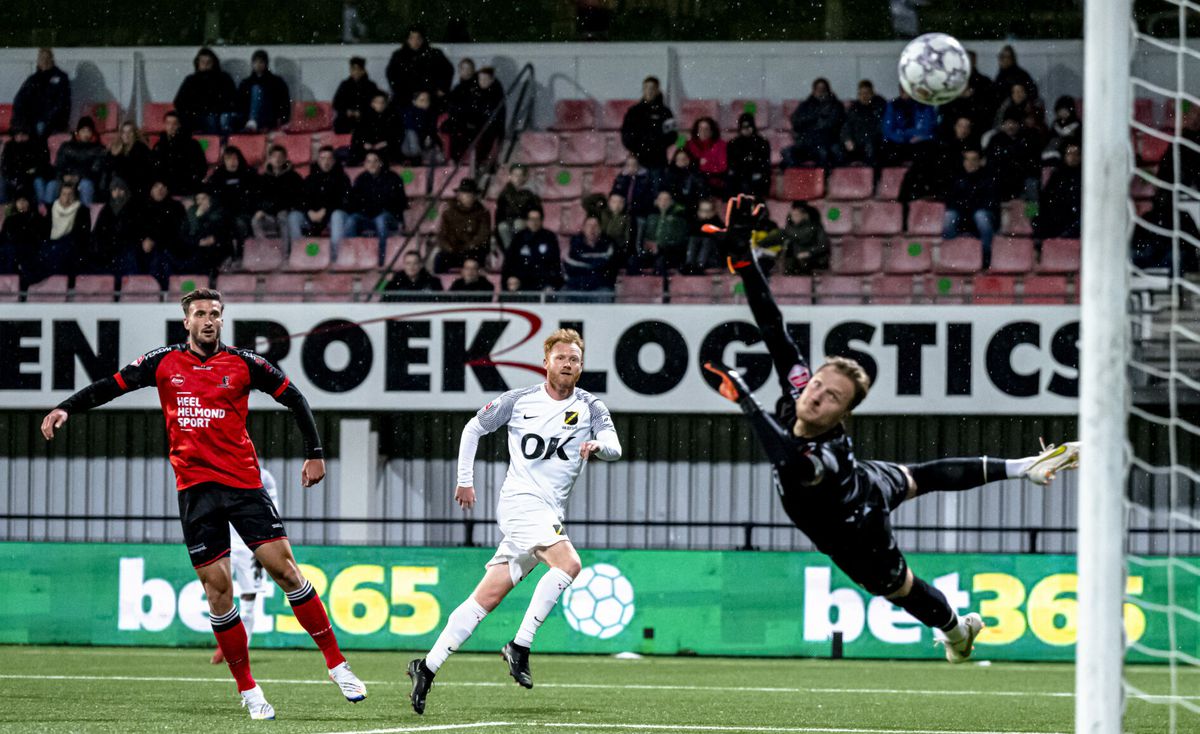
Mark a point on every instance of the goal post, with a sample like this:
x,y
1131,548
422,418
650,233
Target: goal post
x,y
1103,384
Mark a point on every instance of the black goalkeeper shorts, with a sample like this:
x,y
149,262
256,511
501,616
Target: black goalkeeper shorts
x,y
869,555
208,509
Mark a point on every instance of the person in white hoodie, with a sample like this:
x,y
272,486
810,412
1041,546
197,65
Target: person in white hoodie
x,y
70,232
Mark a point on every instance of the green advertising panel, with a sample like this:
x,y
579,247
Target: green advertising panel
x,y
650,602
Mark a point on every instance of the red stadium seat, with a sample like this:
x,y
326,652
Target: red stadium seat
x,y
284,287
552,215
309,255
800,183
562,183
336,140
537,149
894,289
94,289
211,145
851,183
356,254
994,289
140,289
836,216
432,220
415,180
391,253
262,256
614,113
778,142
10,288
574,114
639,289
1045,289
253,147
310,117
890,180
54,142
946,288
1011,255
692,289
6,111
615,154
180,285
1150,149
50,290
446,175
778,211
908,255
926,217
602,180
1143,111
839,289
787,289
1014,218
583,148
1059,256
959,255
855,256
154,114
1140,188
786,108
880,218
332,288
760,108
243,286
570,220
106,115
691,110
299,148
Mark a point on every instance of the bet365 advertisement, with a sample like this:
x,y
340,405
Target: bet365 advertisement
x,y
650,602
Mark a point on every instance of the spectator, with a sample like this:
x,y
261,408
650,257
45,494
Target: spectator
x,y
235,186
590,258
816,126
665,238
379,130
702,246
418,67
1012,157
129,159
163,221
43,103
929,175
207,238
117,236
534,258
863,129
710,154
1019,99
977,102
22,234
1062,198
648,128
616,224
460,105
749,159
1066,129
472,281
81,161
471,105
802,243
1154,250
421,144
353,97
69,240
412,278
24,167
264,102
178,159
514,204
908,128
686,185
325,193
634,184
377,203
281,193
1011,73
207,99
971,201
465,229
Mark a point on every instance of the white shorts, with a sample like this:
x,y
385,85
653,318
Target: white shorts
x,y
247,572
527,527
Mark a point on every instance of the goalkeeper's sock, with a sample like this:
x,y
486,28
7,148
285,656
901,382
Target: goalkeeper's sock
x,y
929,607
459,626
1015,468
545,596
956,475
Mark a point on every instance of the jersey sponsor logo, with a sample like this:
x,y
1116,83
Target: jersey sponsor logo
x,y
177,380
191,413
558,529
799,376
202,367
571,418
225,383
534,446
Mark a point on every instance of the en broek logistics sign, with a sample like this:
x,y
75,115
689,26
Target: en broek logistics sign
x,y
652,602
925,359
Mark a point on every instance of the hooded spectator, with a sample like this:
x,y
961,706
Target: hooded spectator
x,y
1066,129
1061,199
207,99
816,127
863,129
470,107
709,153
281,194
465,229
24,166
648,128
977,102
1010,73
163,221
534,257
80,161
178,158
749,157
353,97
43,103
264,102
117,235
416,66
128,158
379,130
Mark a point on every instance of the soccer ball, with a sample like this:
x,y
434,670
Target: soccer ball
x,y
600,602
934,68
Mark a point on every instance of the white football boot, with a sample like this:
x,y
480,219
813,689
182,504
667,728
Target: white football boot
x,y
256,702
1052,460
958,652
352,688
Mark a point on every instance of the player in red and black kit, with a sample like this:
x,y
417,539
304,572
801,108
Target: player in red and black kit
x,y
843,504
204,387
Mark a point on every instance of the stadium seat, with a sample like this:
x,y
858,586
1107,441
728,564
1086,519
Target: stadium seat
x,y
6,111
140,289
582,148
284,287
332,287
416,180
894,289
786,108
792,289
106,115
602,179
1143,111
561,184
154,114
692,289
778,141
310,255
1059,256
851,183
10,288
639,289
94,289
50,290
243,286
691,110
890,181
574,114
310,117
180,285
1140,188
54,142
857,256
614,113
760,108
1014,217
778,211
262,256
880,218
552,214
1150,149
571,219
836,216
959,255
908,255
994,289
211,145
615,152
299,148
537,149
431,220
839,289
1045,289
252,145
799,183
946,288
926,217
356,254
336,140
1011,255
394,246
447,176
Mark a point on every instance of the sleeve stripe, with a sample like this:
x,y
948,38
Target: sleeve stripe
x,y
282,387
120,381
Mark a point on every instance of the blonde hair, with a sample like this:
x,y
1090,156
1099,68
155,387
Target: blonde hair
x,y
854,372
562,336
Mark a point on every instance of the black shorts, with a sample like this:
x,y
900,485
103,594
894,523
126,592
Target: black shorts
x,y
207,510
889,479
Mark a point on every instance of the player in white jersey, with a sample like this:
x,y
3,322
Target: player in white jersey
x,y
247,571
553,428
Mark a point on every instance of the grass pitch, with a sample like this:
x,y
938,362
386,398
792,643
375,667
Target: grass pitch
x,y
130,690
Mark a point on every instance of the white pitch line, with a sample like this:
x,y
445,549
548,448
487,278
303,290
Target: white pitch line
x,y
432,727
687,727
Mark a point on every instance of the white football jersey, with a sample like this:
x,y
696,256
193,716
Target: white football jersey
x,y
544,438
268,483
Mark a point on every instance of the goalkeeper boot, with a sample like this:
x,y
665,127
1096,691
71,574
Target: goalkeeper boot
x,y
256,702
517,658
422,680
352,688
1052,460
960,651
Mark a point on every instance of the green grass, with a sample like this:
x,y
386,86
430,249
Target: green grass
x,y
177,690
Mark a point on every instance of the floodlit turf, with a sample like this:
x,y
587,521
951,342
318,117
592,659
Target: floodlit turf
x,y
57,689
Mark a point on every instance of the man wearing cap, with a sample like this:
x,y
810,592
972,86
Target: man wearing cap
x,y
465,229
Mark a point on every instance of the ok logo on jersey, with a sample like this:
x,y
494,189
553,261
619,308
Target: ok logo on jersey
x,y
534,446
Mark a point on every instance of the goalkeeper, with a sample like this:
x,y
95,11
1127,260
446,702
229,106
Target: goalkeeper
x,y
841,503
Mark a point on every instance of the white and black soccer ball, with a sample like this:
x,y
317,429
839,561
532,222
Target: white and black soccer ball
x,y
934,68
600,602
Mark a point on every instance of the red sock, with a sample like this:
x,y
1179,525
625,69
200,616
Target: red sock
x,y
231,637
310,613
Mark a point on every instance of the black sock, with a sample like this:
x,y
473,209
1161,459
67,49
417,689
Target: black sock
x,y
955,475
928,606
